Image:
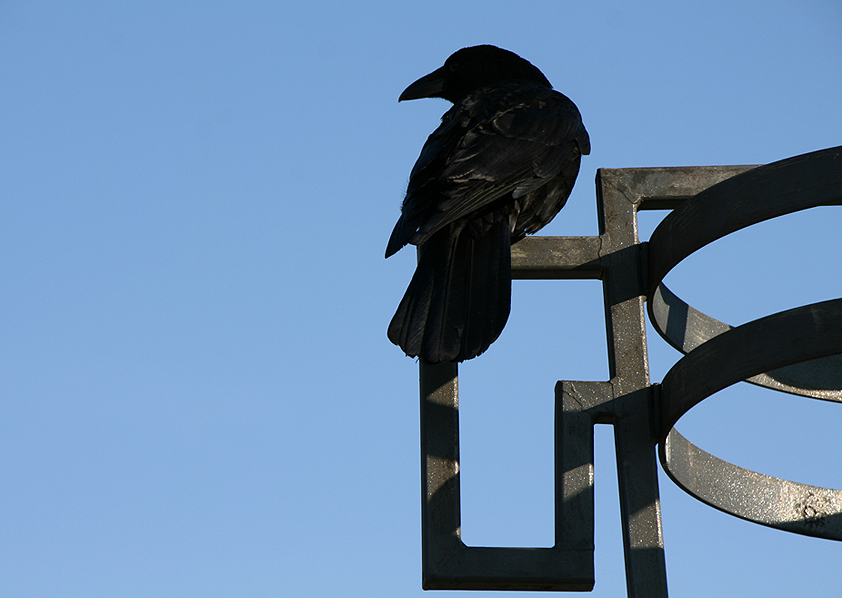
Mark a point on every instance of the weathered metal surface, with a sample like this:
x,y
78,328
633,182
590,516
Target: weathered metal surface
x,y
643,414
796,351
628,365
750,495
540,258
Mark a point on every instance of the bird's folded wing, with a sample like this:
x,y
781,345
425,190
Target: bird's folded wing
x,y
513,150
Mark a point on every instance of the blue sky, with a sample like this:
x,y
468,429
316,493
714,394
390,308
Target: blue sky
x,y
198,396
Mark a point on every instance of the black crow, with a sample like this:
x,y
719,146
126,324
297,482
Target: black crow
x,y
500,166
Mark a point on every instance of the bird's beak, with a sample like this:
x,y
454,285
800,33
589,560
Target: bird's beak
x,y
429,86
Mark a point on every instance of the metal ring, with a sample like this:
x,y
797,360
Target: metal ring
x,y
686,328
796,351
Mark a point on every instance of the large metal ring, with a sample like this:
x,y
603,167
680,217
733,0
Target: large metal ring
x,y
796,351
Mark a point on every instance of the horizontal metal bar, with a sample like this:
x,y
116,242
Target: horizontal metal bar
x,y
664,188
525,569
541,258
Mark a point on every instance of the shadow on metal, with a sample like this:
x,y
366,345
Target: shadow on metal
x,y
796,351
447,562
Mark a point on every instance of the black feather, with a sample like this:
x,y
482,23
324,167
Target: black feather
x,y
500,166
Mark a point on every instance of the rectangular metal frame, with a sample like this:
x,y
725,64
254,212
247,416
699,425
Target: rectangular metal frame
x,y
617,258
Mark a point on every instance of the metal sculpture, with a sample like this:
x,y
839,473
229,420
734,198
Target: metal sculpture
x,y
798,351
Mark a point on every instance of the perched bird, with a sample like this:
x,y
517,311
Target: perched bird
x,y
500,166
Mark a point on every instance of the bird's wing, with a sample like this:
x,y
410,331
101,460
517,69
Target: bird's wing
x,y
513,140
423,191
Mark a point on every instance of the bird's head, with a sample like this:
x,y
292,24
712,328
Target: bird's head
x,y
470,69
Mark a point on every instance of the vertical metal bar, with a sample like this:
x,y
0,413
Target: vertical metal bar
x,y
576,404
629,369
440,510
640,506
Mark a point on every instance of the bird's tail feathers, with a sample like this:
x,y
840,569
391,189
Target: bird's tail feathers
x,y
459,298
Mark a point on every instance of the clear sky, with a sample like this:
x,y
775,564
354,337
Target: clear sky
x,y
197,396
